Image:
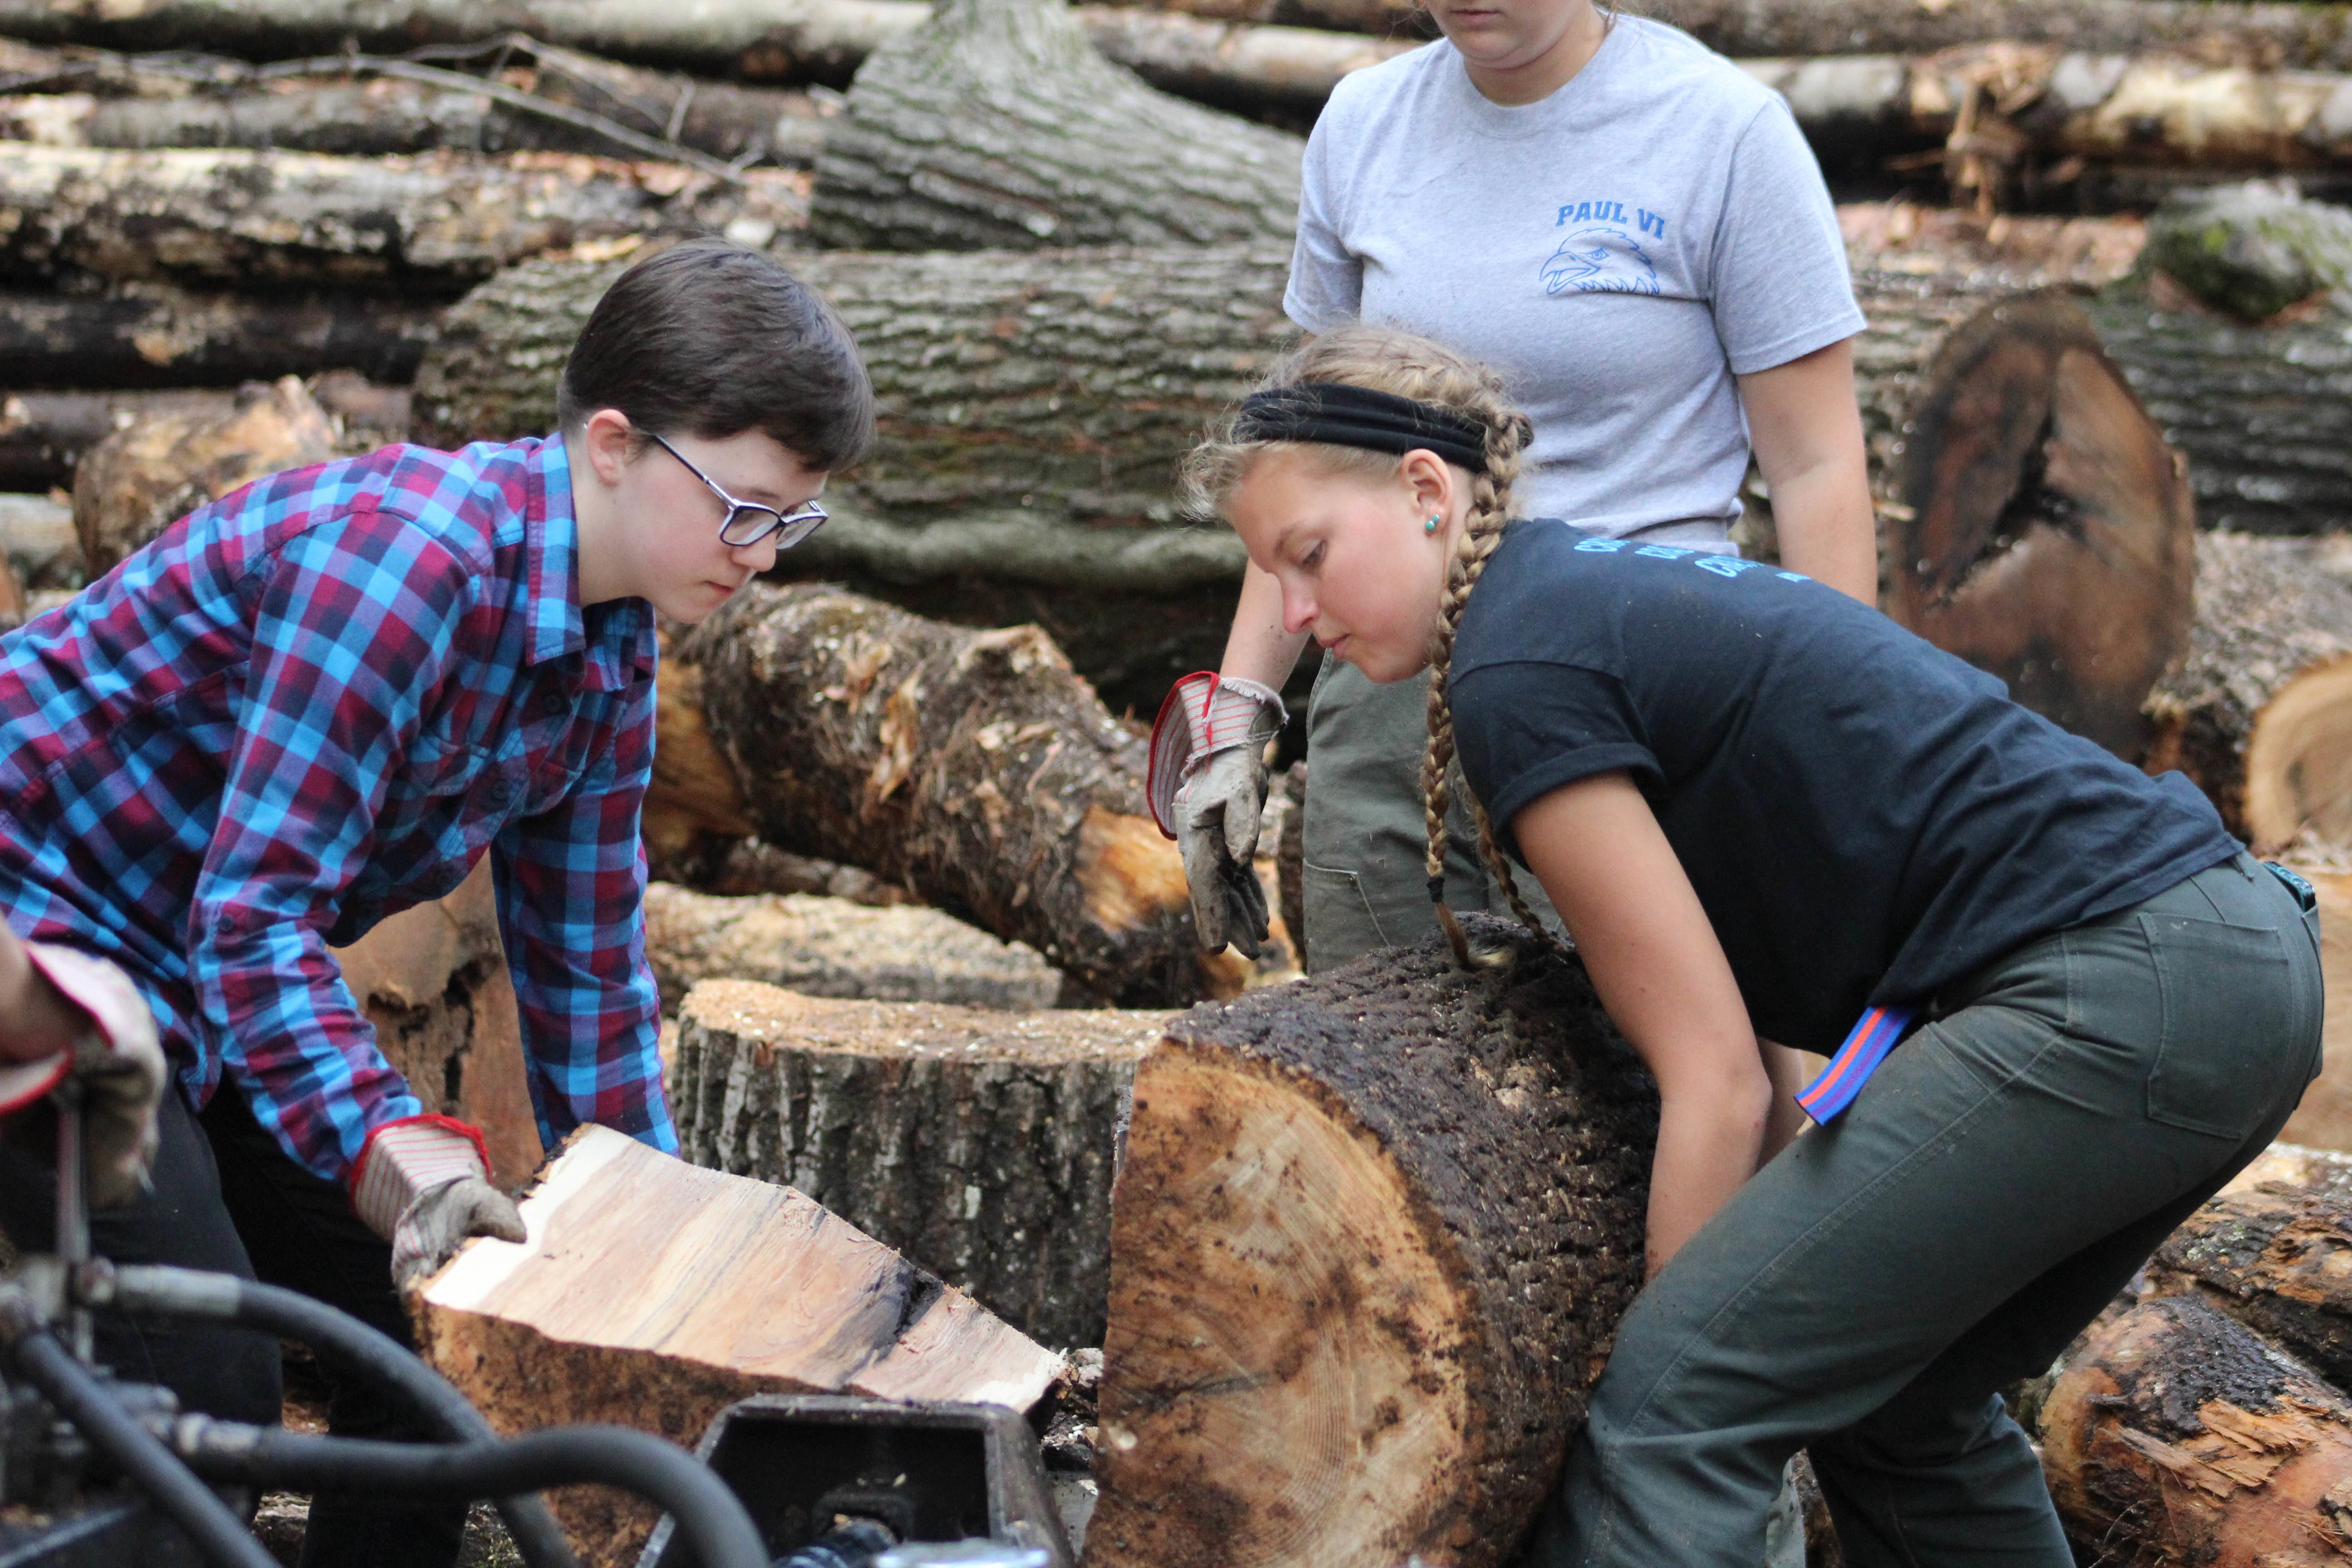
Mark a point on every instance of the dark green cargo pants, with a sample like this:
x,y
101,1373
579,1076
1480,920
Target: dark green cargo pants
x,y
1999,1179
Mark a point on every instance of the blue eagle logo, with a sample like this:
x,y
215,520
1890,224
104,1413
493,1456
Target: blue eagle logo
x,y
1600,260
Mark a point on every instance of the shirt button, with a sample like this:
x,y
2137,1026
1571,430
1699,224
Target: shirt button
x,y
551,703
229,922
500,792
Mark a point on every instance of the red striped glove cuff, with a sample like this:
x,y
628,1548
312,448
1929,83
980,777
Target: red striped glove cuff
x,y
403,1160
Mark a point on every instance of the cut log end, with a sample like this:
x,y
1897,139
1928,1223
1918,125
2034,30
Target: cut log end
x,y
2299,759
1303,1398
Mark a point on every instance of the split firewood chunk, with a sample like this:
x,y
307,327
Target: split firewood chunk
x,y
2176,1435
1369,1246
982,1144
653,1294
832,947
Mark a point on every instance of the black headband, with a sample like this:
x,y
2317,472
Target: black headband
x,y
1343,415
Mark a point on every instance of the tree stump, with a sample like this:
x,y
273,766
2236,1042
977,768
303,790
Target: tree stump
x,y
2036,485
832,947
2182,1437
2260,715
978,1143
997,126
1369,1246
972,767
652,1295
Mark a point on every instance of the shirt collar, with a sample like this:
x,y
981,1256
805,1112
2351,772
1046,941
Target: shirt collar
x,y
623,630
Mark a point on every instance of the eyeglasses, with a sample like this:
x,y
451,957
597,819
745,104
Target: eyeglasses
x,y
748,522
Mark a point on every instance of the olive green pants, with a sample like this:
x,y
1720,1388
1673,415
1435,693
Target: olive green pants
x,y
1999,1179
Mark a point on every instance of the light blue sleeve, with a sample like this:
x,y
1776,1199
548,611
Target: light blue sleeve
x,y
1327,282
1781,286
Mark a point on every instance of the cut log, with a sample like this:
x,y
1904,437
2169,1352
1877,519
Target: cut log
x,y
997,126
2187,1435
753,866
2322,1119
37,536
2277,1257
1901,238
2252,249
2036,485
264,219
831,947
978,1143
43,435
1369,1246
137,482
433,982
653,1294
2260,715
150,334
973,767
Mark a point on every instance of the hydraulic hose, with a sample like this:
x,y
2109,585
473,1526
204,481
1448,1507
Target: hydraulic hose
x,y
708,1515
163,1292
219,1533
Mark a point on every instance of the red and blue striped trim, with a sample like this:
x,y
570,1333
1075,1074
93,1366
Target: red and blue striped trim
x,y
1855,1060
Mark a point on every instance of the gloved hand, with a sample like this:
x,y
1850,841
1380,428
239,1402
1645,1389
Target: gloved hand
x,y
1217,813
117,1059
423,1183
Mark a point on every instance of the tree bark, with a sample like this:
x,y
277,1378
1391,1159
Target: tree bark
x,y
652,1295
150,335
831,947
2260,715
137,482
2194,1441
2275,1258
2034,484
973,767
1369,1247
37,536
264,220
981,1144
996,126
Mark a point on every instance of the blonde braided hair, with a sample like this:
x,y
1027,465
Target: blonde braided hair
x,y
1406,365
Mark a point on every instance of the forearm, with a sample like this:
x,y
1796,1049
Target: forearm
x,y
1711,1139
1824,517
1257,649
1785,1119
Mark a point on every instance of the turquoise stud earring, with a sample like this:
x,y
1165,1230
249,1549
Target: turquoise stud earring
x,y
1430,526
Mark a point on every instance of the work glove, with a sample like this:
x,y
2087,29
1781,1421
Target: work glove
x,y
118,1063
1207,786
424,1185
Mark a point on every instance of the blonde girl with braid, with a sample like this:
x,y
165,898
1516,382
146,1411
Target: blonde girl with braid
x,y
2062,1005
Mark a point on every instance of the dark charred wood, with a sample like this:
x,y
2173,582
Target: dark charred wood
x,y
2034,484
2277,1257
150,334
1395,1187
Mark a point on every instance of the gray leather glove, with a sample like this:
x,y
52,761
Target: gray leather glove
x,y
1217,816
443,1219
117,1062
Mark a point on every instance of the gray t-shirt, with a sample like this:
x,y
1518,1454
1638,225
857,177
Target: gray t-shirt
x,y
1619,250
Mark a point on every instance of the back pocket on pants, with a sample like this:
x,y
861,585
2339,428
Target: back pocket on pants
x,y
2233,1022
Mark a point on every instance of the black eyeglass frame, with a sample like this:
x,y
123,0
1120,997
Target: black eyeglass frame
x,y
790,527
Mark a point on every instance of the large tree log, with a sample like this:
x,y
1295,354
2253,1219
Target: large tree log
x,y
653,1294
2034,484
43,435
974,768
2277,1257
996,125
2260,715
2183,1437
981,1144
37,536
831,947
264,219
1369,1246
153,334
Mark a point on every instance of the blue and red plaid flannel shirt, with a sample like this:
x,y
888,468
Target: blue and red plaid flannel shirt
x,y
316,702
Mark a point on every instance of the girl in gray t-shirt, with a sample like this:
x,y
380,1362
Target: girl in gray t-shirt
x,y
1634,231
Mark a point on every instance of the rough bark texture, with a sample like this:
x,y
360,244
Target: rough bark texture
x,y
266,219
973,767
37,536
2279,1259
137,482
1369,1246
2034,485
150,334
1067,382
43,435
2175,1436
981,1144
654,1294
1905,238
831,947
751,866
2262,413
433,982
997,126
2260,715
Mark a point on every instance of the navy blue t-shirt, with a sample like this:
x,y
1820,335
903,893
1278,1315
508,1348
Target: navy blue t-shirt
x,y
1864,817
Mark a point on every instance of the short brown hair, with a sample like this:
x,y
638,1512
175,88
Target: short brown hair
x,y
709,339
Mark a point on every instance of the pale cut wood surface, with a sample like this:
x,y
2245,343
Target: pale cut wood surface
x,y
652,1293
